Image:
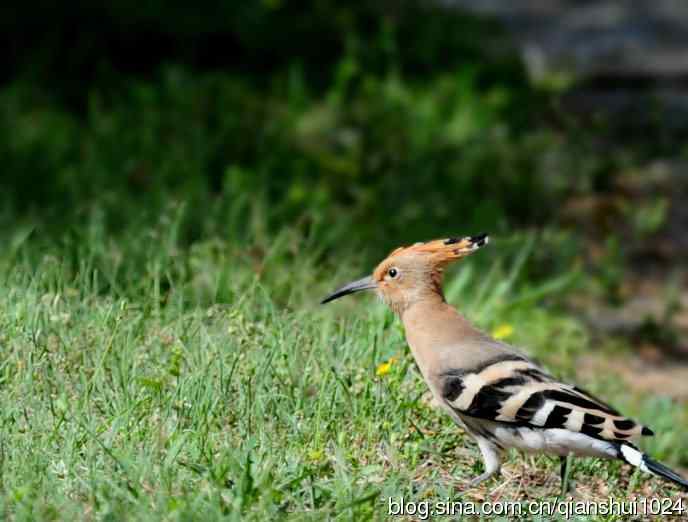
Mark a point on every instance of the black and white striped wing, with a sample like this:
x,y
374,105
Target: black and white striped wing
x,y
511,389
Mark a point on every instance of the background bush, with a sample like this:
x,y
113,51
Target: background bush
x,y
318,113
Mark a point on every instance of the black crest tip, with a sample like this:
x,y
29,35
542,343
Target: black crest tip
x,y
476,241
479,240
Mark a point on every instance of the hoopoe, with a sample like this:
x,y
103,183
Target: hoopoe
x,y
490,389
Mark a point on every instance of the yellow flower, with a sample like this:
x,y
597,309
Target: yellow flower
x,y
316,455
385,367
503,331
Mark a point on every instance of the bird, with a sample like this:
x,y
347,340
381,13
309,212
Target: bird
x,y
496,393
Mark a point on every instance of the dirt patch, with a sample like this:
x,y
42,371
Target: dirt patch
x,y
640,373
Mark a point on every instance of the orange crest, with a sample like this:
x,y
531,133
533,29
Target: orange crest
x,y
444,251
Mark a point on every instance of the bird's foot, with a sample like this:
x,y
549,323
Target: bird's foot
x,y
568,489
481,478
567,486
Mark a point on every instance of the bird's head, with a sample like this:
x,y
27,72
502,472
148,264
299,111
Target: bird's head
x,y
411,273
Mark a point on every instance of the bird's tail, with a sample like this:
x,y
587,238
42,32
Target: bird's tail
x,y
635,457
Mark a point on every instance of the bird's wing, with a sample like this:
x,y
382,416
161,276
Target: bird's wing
x,y
513,390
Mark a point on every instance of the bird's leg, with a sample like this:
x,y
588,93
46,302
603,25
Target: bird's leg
x,y
491,459
564,471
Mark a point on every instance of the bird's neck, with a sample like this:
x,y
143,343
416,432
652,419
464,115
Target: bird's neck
x,y
436,334
433,324
419,296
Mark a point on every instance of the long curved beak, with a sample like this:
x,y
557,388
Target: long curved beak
x,y
366,283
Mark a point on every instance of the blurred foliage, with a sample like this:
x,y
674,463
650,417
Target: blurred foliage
x,y
79,44
366,122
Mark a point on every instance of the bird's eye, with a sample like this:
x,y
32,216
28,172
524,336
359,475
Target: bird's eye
x,y
393,272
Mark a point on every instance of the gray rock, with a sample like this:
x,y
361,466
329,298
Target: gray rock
x,y
595,37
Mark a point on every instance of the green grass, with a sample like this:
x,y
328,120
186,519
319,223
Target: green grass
x,y
145,380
